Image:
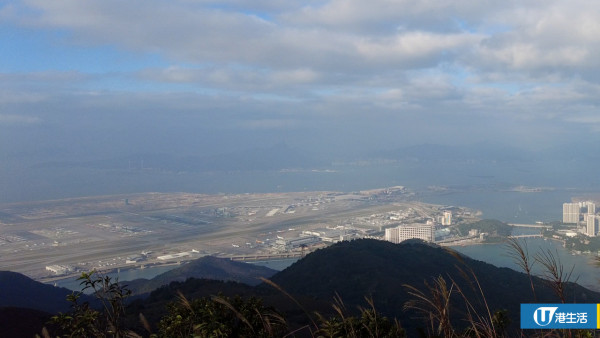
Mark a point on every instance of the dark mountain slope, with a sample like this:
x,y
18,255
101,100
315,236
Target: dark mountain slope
x,y
207,267
154,306
17,290
19,322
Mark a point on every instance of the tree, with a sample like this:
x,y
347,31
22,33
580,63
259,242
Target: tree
x,y
83,321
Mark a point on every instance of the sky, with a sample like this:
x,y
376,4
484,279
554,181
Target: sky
x,y
100,78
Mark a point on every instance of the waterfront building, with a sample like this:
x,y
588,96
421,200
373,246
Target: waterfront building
x,y
571,212
404,232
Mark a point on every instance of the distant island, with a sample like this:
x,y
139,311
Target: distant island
x,y
522,188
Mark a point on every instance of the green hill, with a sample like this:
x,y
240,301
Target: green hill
x,y
380,269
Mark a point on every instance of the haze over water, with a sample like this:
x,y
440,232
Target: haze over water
x,y
491,194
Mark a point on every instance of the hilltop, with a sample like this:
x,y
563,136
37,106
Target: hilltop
x,y
207,267
380,270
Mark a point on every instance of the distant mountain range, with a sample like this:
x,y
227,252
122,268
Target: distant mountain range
x,y
491,152
353,270
279,156
282,156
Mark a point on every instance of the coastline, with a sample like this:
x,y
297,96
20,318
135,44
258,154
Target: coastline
x,y
585,270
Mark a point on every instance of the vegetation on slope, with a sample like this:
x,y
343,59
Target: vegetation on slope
x,y
496,230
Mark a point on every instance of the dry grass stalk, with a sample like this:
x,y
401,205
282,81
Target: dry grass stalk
x,y
435,306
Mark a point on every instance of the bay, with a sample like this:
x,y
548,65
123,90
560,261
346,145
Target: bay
x,y
585,270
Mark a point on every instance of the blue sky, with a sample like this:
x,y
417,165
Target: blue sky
x,y
524,73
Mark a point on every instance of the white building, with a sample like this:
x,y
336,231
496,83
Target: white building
x,y
404,232
590,228
591,207
290,244
177,256
60,269
329,235
447,219
571,212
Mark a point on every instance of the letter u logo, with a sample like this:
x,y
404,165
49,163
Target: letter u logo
x,y
543,315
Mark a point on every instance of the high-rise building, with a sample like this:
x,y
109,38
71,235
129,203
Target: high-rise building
x,y
591,208
447,218
571,212
590,228
404,232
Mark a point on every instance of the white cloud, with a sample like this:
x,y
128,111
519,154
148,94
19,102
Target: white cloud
x,y
554,36
336,34
413,47
184,32
407,60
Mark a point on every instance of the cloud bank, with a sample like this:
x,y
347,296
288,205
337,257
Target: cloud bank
x,y
328,74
